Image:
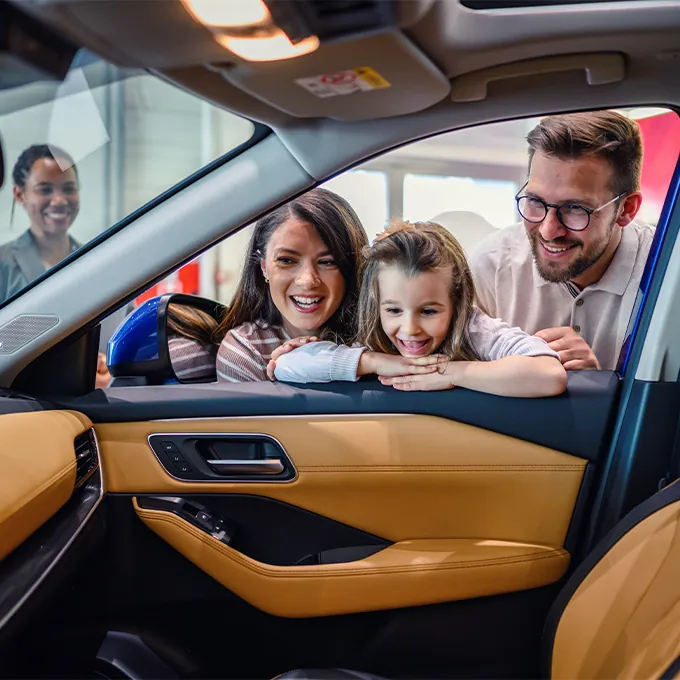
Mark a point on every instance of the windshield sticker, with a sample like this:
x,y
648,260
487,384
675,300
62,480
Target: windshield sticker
x,y
362,79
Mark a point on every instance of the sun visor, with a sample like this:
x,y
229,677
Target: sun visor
x,y
374,76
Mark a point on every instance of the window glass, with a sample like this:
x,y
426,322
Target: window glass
x,y
467,181
470,208
366,192
109,140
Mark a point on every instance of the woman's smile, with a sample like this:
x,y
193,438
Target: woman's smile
x,y
305,283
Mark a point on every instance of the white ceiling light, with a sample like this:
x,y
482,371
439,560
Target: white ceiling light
x,y
246,28
237,13
270,48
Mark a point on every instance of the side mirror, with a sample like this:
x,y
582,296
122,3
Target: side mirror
x,y
167,339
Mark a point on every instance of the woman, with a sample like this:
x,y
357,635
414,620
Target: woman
x,y
300,278
46,186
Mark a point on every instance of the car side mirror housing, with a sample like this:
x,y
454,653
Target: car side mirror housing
x,y
159,340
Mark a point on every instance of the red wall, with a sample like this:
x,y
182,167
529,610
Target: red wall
x,y
661,139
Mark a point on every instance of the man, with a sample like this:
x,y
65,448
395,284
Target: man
x,y
570,272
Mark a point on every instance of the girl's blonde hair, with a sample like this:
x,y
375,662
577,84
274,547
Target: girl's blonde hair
x,y
417,248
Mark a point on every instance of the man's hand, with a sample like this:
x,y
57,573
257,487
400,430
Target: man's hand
x,y
575,353
391,365
287,346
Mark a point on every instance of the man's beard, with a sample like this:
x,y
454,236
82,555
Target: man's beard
x,y
584,261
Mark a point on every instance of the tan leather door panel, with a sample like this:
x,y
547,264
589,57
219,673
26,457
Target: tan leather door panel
x,y
38,470
400,477
408,573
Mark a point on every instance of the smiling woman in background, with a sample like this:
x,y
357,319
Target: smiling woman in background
x,y
46,186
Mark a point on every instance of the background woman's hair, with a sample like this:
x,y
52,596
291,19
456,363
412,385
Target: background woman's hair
x,y
339,228
190,322
417,248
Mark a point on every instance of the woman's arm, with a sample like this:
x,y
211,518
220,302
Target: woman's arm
x,y
513,376
190,359
323,362
239,361
318,362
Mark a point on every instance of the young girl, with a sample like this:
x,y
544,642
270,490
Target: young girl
x,y
416,302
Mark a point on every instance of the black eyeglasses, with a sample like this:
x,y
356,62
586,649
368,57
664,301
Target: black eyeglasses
x,y
571,216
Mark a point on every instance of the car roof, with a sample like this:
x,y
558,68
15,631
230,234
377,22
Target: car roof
x,y
447,65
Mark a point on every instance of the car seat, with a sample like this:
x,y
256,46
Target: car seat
x,y
618,616
469,228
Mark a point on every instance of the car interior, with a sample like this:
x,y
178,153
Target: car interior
x,y
160,528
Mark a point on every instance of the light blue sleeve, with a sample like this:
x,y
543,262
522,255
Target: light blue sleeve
x,y
319,362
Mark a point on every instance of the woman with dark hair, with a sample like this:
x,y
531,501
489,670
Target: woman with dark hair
x,y
46,186
301,278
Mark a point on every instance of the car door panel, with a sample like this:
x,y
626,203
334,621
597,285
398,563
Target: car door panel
x,y
576,422
404,515
405,574
400,477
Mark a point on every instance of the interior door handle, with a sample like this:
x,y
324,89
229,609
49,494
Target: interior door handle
x,y
263,466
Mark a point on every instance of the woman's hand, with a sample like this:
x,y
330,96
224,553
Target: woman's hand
x,y
286,347
391,365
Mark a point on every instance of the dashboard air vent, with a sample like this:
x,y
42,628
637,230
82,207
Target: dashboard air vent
x,y
87,460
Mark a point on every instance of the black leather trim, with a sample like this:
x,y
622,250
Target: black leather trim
x,y
665,497
672,671
577,422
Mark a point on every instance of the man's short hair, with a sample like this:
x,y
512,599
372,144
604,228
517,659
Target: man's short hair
x,y
604,134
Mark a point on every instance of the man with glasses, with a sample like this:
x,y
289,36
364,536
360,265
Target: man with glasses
x,y
570,272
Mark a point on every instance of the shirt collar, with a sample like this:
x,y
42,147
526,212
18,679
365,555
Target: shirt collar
x,y
617,277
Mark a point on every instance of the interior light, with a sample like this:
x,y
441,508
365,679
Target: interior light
x,y
268,48
228,13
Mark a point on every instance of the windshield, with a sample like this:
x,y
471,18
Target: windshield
x,y
82,154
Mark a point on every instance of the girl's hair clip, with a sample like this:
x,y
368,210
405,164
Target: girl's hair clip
x,y
394,226
382,235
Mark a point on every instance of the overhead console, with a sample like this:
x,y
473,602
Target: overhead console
x,y
370,77
340,59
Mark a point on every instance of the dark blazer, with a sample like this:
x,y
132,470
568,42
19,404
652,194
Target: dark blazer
x,y
20,263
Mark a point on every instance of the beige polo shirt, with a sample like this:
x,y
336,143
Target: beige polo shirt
x,y
509,287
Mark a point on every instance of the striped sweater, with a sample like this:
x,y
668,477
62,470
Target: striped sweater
x,y
191,360
246,350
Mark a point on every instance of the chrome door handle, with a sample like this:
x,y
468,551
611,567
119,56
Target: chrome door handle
x,y
262,466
